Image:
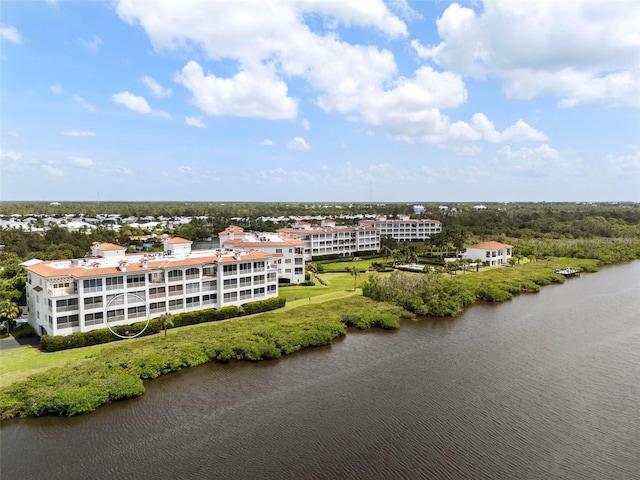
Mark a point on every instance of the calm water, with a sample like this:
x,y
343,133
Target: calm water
x,y
546,386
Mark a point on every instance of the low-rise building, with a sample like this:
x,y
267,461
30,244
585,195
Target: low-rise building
x,y
405,228
490,253
287,250
329,239
111,288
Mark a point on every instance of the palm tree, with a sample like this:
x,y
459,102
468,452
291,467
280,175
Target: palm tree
x,y
9,311
355,272
385,251
166,321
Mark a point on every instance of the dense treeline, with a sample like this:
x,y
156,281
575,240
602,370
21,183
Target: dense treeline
x,y
435,295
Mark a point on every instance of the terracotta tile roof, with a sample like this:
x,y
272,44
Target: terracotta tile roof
x,y
177,240
489,245
45,269
411,220
110,246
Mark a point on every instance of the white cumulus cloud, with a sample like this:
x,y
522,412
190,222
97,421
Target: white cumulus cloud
x,y
299,144
267,142
155,88
562,49
137,104
57,89
83,162
251,94
84,103
194,122
10,34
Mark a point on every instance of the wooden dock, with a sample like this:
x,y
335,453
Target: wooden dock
x,y
569,272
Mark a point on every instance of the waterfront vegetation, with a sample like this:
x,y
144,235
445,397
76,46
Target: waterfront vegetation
x,y
545,237
98,375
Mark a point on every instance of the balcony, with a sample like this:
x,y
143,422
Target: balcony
x,y
61,292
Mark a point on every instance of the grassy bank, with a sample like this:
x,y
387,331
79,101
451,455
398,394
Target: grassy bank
x,y
440,295
116,371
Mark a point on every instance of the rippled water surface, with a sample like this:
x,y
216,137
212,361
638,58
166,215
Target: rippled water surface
x,y
546,386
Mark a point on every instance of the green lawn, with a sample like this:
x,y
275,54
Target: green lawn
x,y
361,265
18,363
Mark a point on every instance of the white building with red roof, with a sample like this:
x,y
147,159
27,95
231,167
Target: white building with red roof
x,y
112,288
329,239
287,250
404,228
490,253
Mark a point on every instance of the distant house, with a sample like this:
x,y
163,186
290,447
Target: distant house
x,y
491,253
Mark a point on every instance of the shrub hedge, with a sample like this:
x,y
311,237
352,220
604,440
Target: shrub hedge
x,y
50,343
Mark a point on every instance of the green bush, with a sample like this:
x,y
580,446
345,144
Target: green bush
x,y
25,331
50,343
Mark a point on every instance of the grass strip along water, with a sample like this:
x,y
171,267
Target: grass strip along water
x,y
117,371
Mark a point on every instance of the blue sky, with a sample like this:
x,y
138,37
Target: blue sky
x,y
319,100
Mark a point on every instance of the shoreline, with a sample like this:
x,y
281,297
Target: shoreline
x,y
122,370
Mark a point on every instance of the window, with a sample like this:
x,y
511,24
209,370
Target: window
x,y
49,302
245,281
115,315
258,266
136,297
94,318
298,270
193,302
157,292
209,271
271,288
245,267
135,281
94,285
287,260
278,250
157,307
137,312
192,273
258,292
299,261
157,276
115,299
114,283
230,269
230,283
258,279
173,304
68,321
209,299
209,285
193,287
231,297
245,294
271,277
174,275
175,290
67,305
93,302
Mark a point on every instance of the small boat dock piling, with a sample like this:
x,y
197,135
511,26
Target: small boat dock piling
x,y
569,272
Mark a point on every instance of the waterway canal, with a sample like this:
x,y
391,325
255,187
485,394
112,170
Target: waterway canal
x,y
546,386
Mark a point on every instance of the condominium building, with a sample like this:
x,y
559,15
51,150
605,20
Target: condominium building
x,y
489,253
110,288
404,228
287,250
329,239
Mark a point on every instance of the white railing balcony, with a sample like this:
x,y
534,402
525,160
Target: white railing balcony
x,y
61,292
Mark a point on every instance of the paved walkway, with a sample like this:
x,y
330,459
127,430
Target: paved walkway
x,y
7,343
